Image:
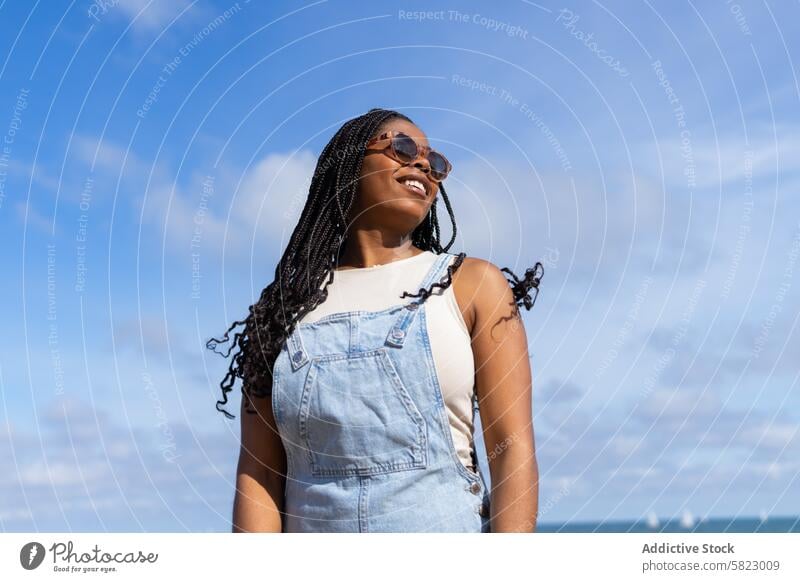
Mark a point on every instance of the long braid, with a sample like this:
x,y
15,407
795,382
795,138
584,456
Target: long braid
x,y
311,255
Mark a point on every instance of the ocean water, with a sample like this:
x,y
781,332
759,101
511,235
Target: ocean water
x,y
687,524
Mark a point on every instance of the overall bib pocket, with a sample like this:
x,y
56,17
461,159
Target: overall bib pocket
x,y
357,417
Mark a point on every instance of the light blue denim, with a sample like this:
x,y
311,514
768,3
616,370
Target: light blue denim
x,y
360,413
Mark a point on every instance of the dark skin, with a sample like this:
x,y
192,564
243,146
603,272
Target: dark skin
x,y
382,219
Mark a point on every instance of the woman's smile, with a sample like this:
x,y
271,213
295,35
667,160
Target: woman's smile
x,y
416,183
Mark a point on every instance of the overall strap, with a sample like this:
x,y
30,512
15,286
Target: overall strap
x,y
397,334
297,351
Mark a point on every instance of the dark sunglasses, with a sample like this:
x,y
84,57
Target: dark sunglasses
x,y
405,150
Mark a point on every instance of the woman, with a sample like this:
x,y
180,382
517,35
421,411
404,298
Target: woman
x,y
364,400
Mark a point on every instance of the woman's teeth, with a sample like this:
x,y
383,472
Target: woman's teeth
x,y
416,184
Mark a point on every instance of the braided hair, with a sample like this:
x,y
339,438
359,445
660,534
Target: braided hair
x,y
312,253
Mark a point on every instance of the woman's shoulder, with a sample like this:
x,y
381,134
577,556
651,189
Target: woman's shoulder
x,y
480,272
479,286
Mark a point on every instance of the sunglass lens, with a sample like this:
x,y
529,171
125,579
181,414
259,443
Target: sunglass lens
x,y
405,147
438,166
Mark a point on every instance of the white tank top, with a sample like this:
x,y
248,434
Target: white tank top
x,y
379,287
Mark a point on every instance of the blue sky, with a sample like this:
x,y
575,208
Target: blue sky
x,y
154,159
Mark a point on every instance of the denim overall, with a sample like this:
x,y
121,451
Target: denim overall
x,y
360,413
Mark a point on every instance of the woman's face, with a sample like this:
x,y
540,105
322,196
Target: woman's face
x,y
382,200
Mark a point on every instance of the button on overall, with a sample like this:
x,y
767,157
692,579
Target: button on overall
x,y
360,413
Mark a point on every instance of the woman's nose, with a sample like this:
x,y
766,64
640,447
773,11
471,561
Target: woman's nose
x,y
423,164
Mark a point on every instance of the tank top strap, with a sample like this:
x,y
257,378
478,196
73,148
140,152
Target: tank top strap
x,y
397,333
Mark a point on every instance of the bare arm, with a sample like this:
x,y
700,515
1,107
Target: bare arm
x,y
503,383
260,475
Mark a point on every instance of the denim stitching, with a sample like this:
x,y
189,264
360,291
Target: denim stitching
x,y
304,404
462,470
354,340
345,314
363,506
420,447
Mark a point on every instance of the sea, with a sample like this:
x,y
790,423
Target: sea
x,y
684,524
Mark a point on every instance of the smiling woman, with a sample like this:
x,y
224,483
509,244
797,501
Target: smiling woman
x,y
363,396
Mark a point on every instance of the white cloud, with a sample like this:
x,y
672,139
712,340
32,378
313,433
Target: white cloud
x,y
262,201
506,213
28,214
150,14
773,435
770,152
118,479
273,192
59,473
